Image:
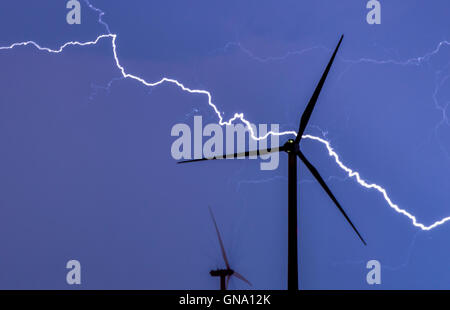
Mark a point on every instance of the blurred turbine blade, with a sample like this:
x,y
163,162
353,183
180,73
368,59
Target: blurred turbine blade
x,y
322,183
312,102
237,155
241,277
224,255
228,282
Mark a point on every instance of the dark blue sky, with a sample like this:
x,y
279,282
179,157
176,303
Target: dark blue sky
x,y
87,174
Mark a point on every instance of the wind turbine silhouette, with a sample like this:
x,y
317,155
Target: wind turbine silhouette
x,y
228,272
292,148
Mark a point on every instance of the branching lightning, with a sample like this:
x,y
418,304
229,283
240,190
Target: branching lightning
x,y
240,116
269,58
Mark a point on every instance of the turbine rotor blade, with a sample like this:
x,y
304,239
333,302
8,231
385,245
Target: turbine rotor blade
x,y
312,102
238,155
228,282
222,248
241,277
316,174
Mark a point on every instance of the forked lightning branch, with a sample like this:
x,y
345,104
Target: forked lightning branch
x,y
238,117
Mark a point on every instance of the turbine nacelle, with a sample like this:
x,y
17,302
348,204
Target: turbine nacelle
x,y
221,272
291,146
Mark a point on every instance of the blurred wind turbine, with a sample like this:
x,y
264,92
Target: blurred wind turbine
x,y
224,274
292,148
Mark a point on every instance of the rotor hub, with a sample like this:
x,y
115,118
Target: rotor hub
x,y
291,146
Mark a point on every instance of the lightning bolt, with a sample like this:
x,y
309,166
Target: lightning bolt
x,y
388,267
240,116
269,58
417,61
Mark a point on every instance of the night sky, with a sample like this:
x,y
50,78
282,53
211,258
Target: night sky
x,y
86,171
